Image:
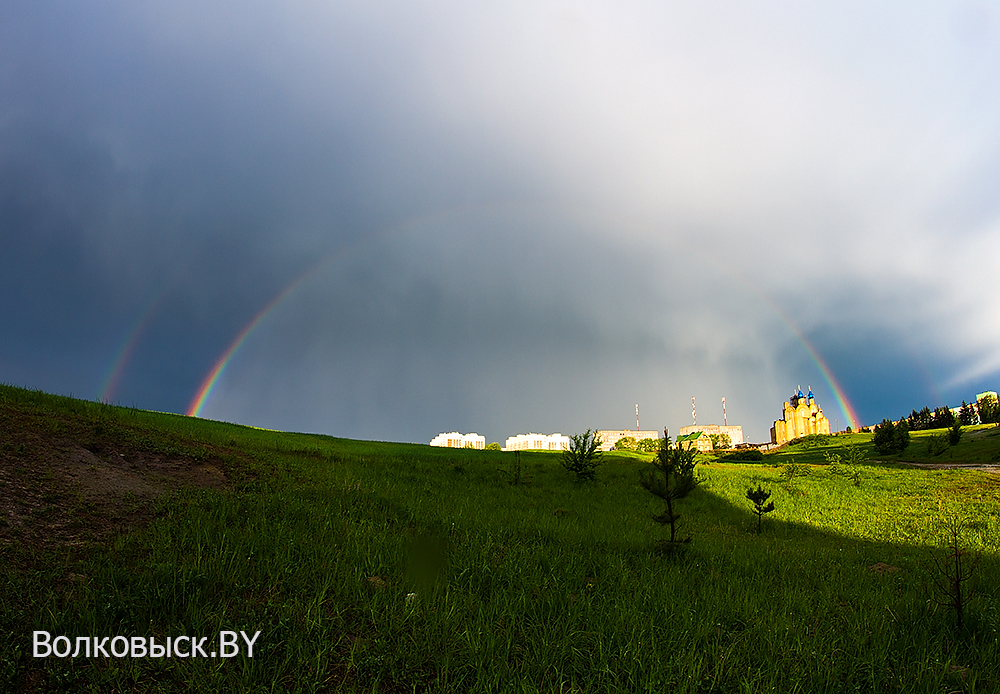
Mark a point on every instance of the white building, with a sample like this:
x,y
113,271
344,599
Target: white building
x,y
455,440
532,442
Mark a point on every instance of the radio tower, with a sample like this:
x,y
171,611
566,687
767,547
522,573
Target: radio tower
x,y
694,412
725,422
637,418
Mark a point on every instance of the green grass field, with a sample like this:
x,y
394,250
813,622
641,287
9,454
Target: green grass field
x,y
546,586
980,444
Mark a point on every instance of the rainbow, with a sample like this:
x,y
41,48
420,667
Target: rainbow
x,y
127,348
850,414
205,389
194,409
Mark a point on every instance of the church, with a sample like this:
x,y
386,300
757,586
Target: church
x,y
801,417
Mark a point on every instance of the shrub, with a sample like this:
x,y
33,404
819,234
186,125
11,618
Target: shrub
x,y
812,440
626,443
789,471
849,463
747,455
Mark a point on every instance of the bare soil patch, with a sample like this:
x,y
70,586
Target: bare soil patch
x,y
67,480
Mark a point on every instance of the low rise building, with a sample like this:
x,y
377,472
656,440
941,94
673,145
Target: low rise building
x,y
537,442
609,437
698,440
455,440
734,432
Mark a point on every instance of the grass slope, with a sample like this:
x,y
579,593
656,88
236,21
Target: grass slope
x,y
193,527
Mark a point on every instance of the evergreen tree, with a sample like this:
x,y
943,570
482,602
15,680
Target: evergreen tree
x,y
967,414
955,433
671,478
943,418
922,420
758,496
583,455
884,438
901,436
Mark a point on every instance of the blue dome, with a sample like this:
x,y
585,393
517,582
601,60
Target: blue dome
x,y
800,395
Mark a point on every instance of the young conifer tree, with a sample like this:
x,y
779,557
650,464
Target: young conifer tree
x,y
583,455
758,496
671,478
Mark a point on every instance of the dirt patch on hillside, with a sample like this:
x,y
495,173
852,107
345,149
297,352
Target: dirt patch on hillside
x,y
66,480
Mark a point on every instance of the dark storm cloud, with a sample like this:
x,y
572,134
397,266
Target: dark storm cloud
x,y
533,216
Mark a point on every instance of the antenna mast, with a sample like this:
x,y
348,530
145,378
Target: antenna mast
x,y
694,412
637,418
725,422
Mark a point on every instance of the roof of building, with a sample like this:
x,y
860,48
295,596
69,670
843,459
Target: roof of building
x,y
690,437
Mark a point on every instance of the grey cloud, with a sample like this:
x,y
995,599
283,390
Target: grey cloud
x,y
535,215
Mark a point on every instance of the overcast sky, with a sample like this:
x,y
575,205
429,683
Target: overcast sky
x,y
500,217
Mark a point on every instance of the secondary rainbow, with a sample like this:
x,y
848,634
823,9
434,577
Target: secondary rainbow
x,y
128,348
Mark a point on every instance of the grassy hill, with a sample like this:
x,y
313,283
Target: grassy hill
x,y
396,568
979,445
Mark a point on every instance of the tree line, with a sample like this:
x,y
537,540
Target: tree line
x,y
986,410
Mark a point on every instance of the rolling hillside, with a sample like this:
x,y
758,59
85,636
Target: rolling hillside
x,y
364,566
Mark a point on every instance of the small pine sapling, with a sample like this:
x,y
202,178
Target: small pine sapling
x,y
955,570
517,477
955,433
671,478
937,444
789,471
849,464
583,455
758,497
